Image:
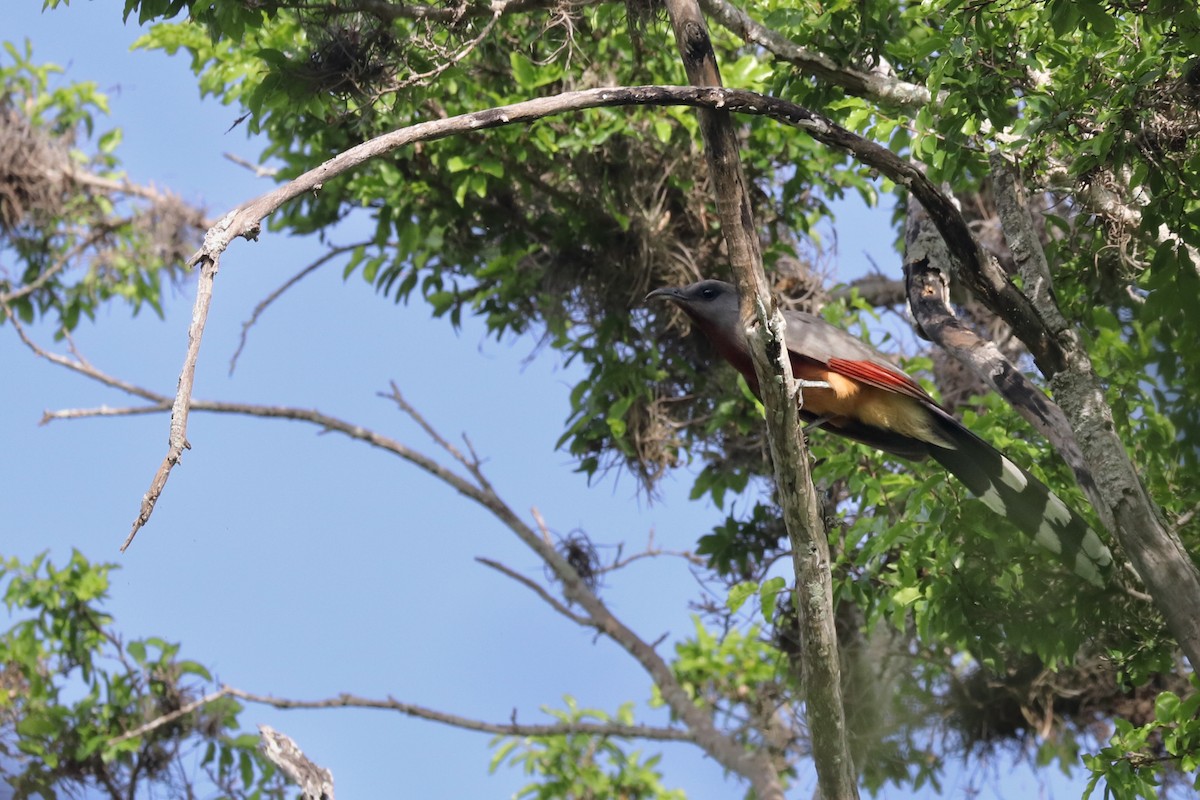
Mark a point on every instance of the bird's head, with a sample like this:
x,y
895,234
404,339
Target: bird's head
x,y
712,304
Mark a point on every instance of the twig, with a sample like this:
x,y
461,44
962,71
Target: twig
x,y
498,7
273,296
881,85
538,590
652,552
102,411
258,169
346,700
502,729
60,263
547,537
84,369
701,726
398,398
169,717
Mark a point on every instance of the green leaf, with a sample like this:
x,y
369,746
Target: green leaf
x,y
769,595
739,594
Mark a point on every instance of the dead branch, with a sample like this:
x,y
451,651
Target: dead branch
x,y
538,590
314,781
179,410
466,723
158,722
701,728
258,170
332,253
991,285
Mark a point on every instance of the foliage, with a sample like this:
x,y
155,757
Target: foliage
x,y
82,232
580,766
558,230
70,687
1134,762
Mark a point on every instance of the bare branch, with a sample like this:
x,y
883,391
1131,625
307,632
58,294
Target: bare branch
x,y
538,590
314,781
398,398
701,727
102,411
275,295
83,368
259,170
652,552
179,411
466,723
165,719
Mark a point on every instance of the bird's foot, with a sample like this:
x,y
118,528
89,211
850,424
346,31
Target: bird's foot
x,y
813,384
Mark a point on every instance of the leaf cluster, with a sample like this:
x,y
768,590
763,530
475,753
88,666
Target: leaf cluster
x,y
82,234
583,767
71,688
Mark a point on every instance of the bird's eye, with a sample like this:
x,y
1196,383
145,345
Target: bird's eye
x,y
708,294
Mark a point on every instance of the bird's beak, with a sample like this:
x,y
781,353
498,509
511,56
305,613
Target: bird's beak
x,y
672,293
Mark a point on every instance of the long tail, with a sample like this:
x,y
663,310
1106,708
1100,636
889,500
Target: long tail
x,y
1012,492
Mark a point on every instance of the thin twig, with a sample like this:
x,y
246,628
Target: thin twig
x,y
398,398
288,284
169,717
538,590
701,727
258,169
653,552
547,537
346,700
84,369
498,8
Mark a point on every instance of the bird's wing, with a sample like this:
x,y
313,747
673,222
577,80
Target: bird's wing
x,y
814,339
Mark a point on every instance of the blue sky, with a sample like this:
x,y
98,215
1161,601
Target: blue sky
x,y
304,565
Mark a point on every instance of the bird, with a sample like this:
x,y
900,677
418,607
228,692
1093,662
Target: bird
x,y
850,389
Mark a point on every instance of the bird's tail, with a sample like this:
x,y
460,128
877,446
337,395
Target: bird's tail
x,y
1012,492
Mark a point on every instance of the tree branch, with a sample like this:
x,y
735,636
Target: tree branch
x,y
178,442
466,723
1155,550
550,599
880,85
781,396
314,781
347,700
288,284
990,284
701,727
